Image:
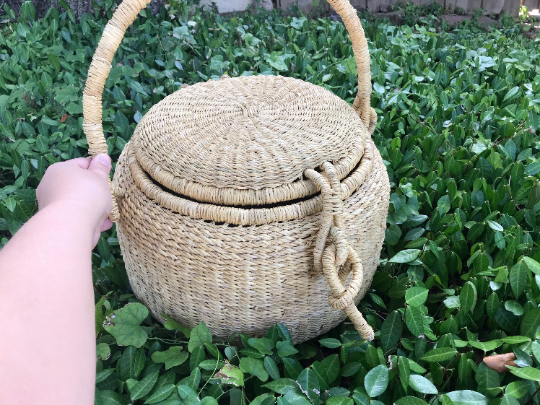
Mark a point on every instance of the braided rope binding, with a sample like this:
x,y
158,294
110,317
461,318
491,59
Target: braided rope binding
x,y
329,259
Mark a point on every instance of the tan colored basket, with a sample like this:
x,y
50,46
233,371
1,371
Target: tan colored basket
x,y
248,201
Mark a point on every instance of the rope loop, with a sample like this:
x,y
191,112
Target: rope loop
x,y
337,259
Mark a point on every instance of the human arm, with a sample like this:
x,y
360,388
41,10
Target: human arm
x,y
47,344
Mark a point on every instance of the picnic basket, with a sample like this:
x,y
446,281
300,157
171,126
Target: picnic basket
x,y
248,201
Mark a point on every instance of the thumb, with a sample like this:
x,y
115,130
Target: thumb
x,y
101,164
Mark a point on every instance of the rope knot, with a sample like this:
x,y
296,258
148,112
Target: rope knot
x,y
337,254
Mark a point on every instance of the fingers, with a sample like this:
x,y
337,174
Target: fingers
x,y
101,165
83,163
107,224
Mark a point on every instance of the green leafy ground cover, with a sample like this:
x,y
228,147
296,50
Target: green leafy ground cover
x,y
459,274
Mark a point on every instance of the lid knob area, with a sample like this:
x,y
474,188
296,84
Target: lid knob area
x,y
250,110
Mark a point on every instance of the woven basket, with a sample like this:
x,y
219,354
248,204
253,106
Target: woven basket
x,y
248,201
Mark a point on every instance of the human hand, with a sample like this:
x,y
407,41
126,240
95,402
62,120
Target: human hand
x,y
82,185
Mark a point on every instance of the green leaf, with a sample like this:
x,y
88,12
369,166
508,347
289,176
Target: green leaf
x,y
422,384
309,384
125,325
495,226
104,374
276,61
527,373
284,333
263,345
486,377
164,380
126,364
328,369
271,367
254,367
350,369
535,347
199,336
532,265
439,354
530,323
518,279
285,349
518,389
339,400
107,397
404,371
492,305
103,351
513,91
376,381
282,385
414,320
194,379
144,386
171,324
211,365
486,346
139,362
188,395
172,357
378,88
467,297
410,401
210,401
230,374
292,366
416,296
467,397
514,307
197,356
390,330
509,400
507,321
161,394
405,256
264,399
330,342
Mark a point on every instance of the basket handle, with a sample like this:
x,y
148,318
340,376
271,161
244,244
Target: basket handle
x,y
99,70
362,101
124,16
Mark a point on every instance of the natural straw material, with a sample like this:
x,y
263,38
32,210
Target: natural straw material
x,y
247,140
184,260
248,201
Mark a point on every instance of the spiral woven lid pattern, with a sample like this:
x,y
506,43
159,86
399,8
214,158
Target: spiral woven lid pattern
x,y
246,134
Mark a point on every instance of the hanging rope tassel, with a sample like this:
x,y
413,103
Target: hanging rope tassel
x,y
332,259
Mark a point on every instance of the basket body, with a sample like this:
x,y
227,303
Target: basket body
x,y
242,278
248,201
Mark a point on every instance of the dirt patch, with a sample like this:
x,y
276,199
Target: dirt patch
x,y
453,19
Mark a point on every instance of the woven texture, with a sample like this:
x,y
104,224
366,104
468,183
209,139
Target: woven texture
x,y
248,201
243,278
245,133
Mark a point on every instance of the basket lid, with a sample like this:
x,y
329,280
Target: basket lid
x,y
247,140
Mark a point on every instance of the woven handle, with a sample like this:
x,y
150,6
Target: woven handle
x,y
124,16
362,101
99,70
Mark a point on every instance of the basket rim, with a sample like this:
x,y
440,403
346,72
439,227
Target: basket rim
x,y
149,139
230,196
245,216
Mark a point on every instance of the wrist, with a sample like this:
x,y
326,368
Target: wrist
x,y
80,214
